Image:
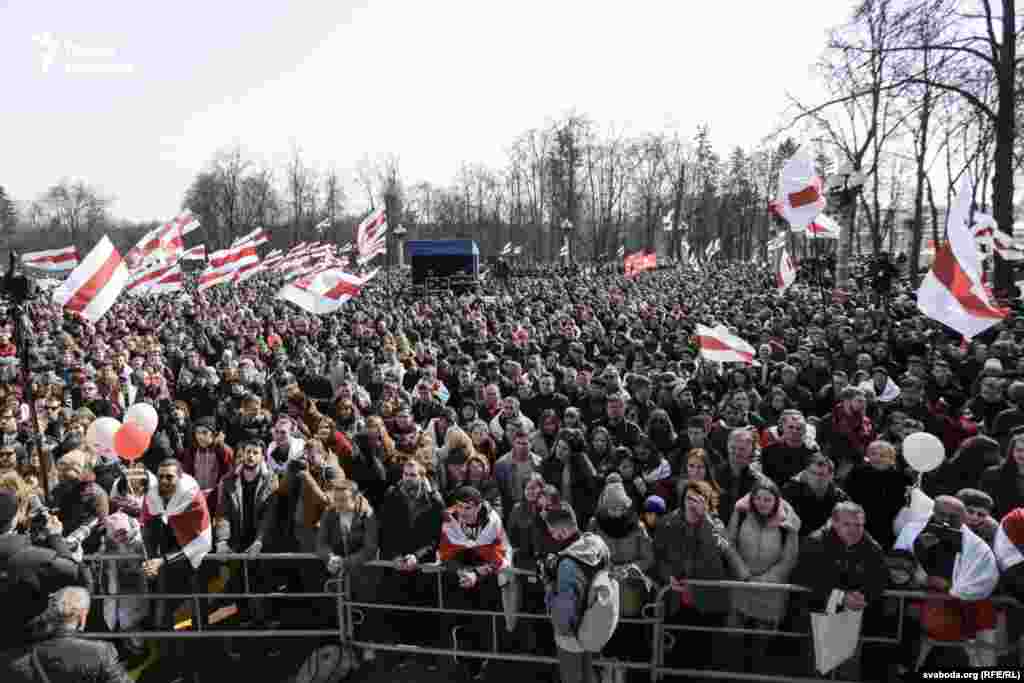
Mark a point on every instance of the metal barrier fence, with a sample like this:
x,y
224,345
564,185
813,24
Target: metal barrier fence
x,y
352,613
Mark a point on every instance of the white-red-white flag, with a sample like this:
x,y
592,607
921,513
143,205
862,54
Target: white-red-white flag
x,y
163,244
801,196
370,230
785,271
323,292
222,265
256,238
823,227
170,282
719,345
93,287
952,292
185,513
143,279
197,253
52,259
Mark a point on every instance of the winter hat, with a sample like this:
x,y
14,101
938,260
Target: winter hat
x,y
655,504
975,498
614,493
993,365
206,422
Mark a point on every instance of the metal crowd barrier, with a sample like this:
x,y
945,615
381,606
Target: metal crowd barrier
x,y
352,613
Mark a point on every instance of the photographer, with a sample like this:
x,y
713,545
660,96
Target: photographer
x,y
29,573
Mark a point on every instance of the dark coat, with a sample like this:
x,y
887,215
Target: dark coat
x,y
826,563
231,520
812,510
702,553
32,574
65,658
410,527
1000,482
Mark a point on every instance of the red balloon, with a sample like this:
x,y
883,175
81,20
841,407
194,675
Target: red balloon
x,y
130,441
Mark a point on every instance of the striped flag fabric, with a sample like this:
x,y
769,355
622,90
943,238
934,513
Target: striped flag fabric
x,y
323,225
142,280
345,248
777,242
953,292
785,271
197,253
170,282
52,259
800,189
323,292
370,230
162,243
719,345
822,227
185,513
223,265
94,285
255,238
370,251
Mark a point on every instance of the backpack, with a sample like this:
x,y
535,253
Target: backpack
x,y
600,613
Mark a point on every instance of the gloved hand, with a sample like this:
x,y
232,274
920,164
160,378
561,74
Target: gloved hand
x,y
255,548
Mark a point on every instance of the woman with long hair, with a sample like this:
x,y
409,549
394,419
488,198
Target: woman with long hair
x,y
699,467
543,440
348,417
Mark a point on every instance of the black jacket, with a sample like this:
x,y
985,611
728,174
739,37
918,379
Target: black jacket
x,y
64,658
233,514
410,527
28,575
826,563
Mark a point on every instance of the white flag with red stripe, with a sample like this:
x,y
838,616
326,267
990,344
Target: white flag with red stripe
x,y
197,253
785,271
142,280
52,259
719,345
93,287
800,190
256,238
225,263
953,292
323,292
370,233
823,227
185,513
162,244
173,280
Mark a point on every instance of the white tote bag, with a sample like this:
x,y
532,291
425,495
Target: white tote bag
x,y
835,635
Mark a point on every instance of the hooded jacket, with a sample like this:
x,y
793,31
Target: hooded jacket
x,y
768,554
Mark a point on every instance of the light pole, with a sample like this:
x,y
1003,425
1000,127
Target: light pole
x,y
399,233
567,230
844,186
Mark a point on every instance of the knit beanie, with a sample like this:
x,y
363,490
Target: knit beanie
x,y
975,498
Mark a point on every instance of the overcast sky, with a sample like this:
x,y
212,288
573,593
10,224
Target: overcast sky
x,y
138,96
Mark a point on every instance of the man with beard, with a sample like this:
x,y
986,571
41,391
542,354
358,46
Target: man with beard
x,y
410,529
474,550
176,530
247,519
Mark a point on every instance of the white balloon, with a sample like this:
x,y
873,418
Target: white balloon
x,y
143,416
923,451
100,434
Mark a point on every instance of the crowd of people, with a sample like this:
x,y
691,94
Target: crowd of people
x,y
478,432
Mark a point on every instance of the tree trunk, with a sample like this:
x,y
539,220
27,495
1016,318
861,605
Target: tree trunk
x,y
1002,180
